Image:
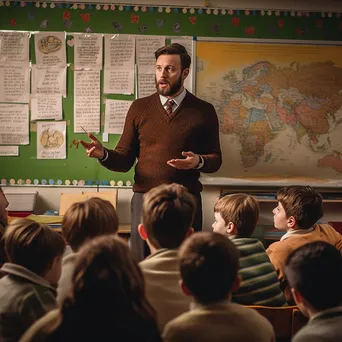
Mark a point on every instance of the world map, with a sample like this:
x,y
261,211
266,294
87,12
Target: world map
x,y
279,107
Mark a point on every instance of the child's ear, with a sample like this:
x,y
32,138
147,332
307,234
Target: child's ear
x,y
231,228
189,232
184,288
237,283
291,222
297,296
142,231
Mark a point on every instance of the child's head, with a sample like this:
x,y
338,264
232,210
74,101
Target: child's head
x,y
299,207
209,265
35,247
88,219
236,214
167,215
108,296
314,273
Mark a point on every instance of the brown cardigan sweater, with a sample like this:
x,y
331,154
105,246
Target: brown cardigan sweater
x,y
280,250
154,138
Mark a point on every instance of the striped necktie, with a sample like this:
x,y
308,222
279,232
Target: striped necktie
x,y
168,107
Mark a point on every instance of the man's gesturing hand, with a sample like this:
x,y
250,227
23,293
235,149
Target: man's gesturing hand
x,y
94,149
190,162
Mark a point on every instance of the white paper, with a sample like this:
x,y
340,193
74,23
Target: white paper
x,y
115,115
146,47
14,48
119,51
87,104
14,124
146,85
51,140
50,48
189,45
119,81
14,83
9,151
119,64
88,51
48,80
46,107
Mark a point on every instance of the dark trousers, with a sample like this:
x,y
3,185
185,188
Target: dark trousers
x,y
138,245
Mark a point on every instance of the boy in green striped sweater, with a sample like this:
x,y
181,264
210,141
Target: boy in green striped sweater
x,y
236,216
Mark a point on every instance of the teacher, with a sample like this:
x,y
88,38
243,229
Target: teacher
x,y
172,134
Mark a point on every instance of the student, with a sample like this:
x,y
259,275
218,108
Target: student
x,y
298,210
209,265
81,222
167,215
314,273
107,301
236,217
28,290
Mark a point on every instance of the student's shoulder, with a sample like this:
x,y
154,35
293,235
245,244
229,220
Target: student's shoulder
x,y
42,328
179,326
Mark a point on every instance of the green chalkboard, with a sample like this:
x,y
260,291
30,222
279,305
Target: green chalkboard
x,y
137,20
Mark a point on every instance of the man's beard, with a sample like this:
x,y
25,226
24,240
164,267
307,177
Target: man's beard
x,y
173,89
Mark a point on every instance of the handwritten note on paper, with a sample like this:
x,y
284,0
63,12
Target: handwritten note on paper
x,y
46,107
14,83
146,85
6,151
14,124
51,140
119,51
87,101
48,80
189,45
14,47
88,51
50,48
146,47
115,115
117,81
119,64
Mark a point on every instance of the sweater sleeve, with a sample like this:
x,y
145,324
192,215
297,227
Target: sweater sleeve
x,y
277,257
122,158
212,155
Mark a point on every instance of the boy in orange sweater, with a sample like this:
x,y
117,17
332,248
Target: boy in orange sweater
x,y
298,210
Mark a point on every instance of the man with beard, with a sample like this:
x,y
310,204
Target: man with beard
x,y
173,135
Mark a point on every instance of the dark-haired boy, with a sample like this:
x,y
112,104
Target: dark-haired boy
x,y
209,265
314,273
236,217
298,210
28,290
167,215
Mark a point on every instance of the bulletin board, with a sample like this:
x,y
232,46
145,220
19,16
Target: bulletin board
x,y
137,20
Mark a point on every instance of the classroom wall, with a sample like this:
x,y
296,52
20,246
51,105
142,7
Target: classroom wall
x,y
307,5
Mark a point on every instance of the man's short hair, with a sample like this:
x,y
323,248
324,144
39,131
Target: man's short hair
x,y
167,214
32,245
240,209
175,49
315,270
303,203
88,219
209,264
